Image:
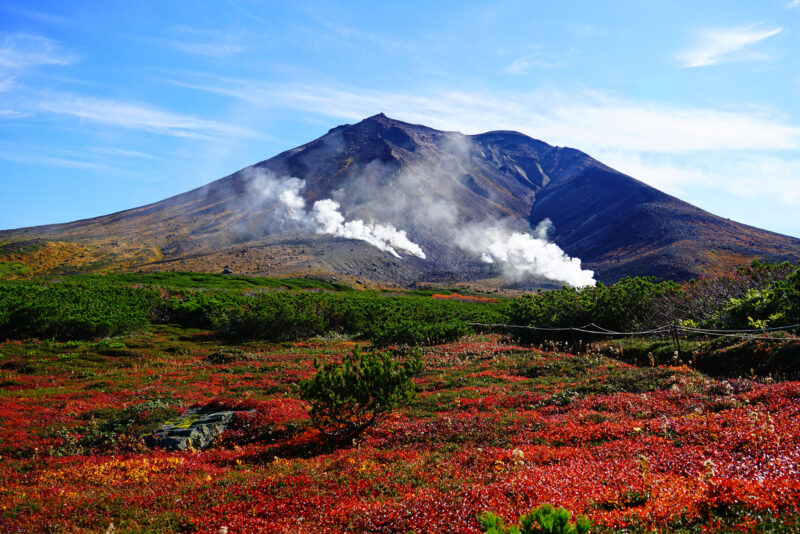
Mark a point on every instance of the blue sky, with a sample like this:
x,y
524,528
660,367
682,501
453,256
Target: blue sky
x,y
109,105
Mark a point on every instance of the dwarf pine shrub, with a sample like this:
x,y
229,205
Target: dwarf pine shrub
x,y
348,398
543,520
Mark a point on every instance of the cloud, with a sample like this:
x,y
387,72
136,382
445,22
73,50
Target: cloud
x,y
20,51
524,64
686,151
536,59
210,43
587,120
214,50
726,44
426,184
49,18
137,116
101,161
113,151
6,84
746,175
793,3
44,157
12,114
524,255
754,188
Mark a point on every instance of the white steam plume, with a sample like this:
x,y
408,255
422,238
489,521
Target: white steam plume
x,y
325,217
384,236
266,187
522,256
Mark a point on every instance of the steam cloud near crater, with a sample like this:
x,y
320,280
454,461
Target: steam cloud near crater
x,y
384,236
325,217
521,255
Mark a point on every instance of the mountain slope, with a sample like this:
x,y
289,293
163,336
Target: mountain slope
x,y
443,188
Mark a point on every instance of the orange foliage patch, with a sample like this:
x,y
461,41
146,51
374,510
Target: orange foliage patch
x,y
465,298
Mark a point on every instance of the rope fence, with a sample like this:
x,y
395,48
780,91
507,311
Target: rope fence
x,y
674,331
700,352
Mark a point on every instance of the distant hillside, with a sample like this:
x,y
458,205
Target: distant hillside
x,y
460,199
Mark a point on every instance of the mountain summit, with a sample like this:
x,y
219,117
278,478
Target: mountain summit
x,y
390,201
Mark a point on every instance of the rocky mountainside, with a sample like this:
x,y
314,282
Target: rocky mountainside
x,y
392,202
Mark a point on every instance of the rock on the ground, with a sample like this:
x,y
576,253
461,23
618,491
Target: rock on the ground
x,y
193,429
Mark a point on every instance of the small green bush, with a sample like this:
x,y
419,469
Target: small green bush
x,y
543,520
115,429
348,398
228,355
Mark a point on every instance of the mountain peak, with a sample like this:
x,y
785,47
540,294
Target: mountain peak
x,y
388,122
380,118
384,173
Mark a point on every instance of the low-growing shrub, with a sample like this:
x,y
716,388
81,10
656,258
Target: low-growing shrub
x,y
86,307
543,520
348,398
411,332
228,355
72,310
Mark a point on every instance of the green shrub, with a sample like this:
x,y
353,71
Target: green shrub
x,y
543,520
72,310
758,294
411,332
348,398
276,316
776,305
87,307
626,305
228,355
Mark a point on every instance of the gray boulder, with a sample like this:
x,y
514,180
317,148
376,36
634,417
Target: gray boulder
x,y
193,429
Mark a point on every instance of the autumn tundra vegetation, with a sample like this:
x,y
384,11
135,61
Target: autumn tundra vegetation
x,y
400,411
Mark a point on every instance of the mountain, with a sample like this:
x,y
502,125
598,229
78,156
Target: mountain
x,y
467,202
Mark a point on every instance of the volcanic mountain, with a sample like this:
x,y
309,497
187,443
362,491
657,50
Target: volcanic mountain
x,y
468,203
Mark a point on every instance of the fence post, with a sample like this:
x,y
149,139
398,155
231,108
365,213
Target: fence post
x,y
675,339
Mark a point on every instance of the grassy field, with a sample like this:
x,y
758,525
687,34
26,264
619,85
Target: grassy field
x,y
494,427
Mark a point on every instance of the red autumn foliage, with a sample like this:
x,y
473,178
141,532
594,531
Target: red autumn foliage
x,y
482,435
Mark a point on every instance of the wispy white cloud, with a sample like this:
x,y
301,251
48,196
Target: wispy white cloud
x,y
6,84
246,13
49,18
718,45
113,151
214,50
137,116
759,189
21,50
525,64
12,114
793,3
103,161
210,43
588,120
45,157
746,175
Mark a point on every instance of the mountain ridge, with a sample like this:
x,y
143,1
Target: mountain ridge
x,y
427,182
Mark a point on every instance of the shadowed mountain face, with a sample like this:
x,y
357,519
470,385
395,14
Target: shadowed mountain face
x,y
461,199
